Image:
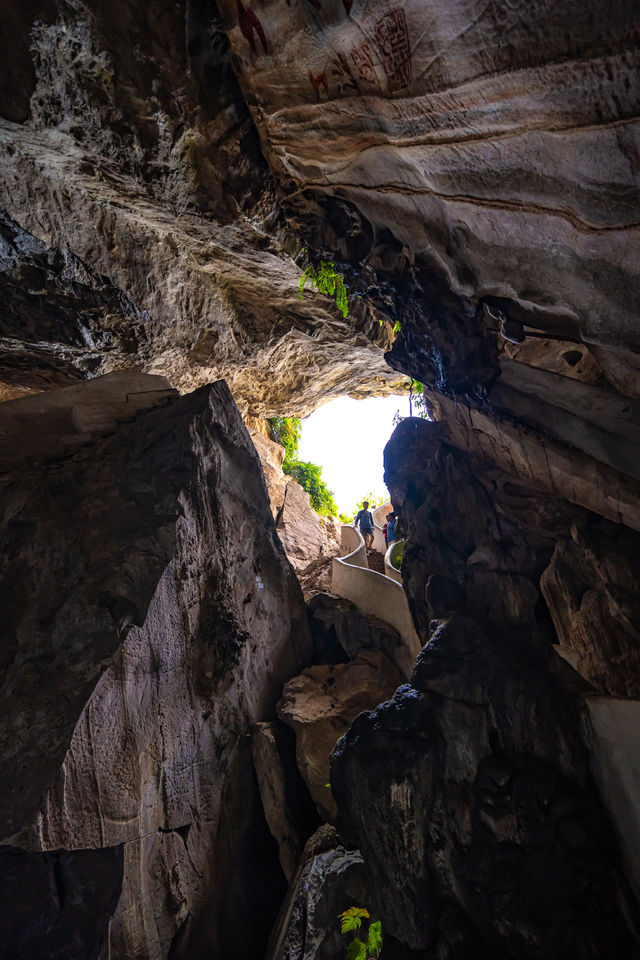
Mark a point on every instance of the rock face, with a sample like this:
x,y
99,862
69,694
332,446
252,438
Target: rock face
x,y
287,805
141,643
473,173
339,630
482,836
321,703
329,883
591,590
469,793
57,904
154,178
487,148
306,537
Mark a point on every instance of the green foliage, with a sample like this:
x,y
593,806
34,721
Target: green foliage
x,y
286,431
356,950
418,401
373,501
398,557
345,518
309,476
325,279
351,920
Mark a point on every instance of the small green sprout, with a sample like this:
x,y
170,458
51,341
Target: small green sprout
x,y
326,280
352,919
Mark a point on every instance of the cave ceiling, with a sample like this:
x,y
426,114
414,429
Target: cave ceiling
x,y
471,169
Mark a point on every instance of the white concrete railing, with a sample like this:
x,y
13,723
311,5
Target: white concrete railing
x,y
375,594
352,548
392,553
379,519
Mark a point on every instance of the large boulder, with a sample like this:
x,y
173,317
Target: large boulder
x,y
151,618
306,537
340,630
470,798
319,705
330,879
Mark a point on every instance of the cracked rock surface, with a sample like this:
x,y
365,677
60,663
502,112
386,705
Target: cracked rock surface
x,y
138,653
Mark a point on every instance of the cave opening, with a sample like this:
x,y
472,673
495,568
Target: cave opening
x,y
346,438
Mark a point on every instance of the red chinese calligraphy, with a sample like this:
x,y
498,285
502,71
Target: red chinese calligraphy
x,y
342,75
248,22
319,81
362,58
392,38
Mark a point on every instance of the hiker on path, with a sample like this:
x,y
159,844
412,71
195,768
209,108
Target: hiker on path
x,y
390,516
365,519
391,529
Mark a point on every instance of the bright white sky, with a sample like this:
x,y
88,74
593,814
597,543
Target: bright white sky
x,y
346,438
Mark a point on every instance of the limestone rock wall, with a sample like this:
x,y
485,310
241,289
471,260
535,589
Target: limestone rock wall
x,y
469,792
492,146
307,538
126,140
151,618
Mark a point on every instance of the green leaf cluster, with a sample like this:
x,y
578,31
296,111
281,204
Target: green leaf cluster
x,y
373,501
309,476
398,557
286,431
350,920
419,402
326,279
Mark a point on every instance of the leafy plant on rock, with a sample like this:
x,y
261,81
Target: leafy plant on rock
x,y
351,920
309,476
326,279
374,500
286,431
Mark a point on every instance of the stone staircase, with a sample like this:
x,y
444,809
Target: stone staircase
x,y
375,559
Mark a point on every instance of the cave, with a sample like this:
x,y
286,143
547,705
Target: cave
x,y
221,724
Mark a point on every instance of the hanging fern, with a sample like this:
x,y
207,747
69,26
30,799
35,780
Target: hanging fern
x,y
326,280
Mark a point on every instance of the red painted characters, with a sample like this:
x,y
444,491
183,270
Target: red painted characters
x,y
248,23
319,81
392,38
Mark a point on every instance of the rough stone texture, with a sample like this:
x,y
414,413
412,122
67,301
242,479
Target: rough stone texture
x,y
591,589
469,792
475,538
305,536
339,630
287,806
138,653
473,171
321,703
52,424
469,796
132,147
329,883
491,147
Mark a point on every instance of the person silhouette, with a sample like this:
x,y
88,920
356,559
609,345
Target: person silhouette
x,y
365,518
